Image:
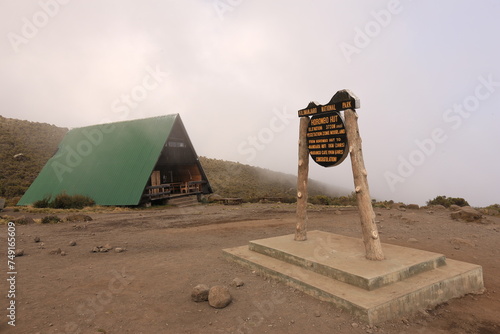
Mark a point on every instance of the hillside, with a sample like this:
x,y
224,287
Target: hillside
x,y
26,146
232,179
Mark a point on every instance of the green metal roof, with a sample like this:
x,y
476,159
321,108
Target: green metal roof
x,y
111,163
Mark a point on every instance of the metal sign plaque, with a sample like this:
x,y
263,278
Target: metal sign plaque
x,y
327,139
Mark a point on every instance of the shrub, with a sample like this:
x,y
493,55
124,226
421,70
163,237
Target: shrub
x,y
448,201
43,203
320,200
65,201
51,220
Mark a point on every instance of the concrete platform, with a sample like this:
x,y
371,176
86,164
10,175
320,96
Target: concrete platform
x,y
343,258
333,268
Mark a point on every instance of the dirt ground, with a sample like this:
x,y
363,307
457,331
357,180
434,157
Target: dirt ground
x,y
146,288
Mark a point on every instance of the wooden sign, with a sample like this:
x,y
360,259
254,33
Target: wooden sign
x,y
342,100
327,139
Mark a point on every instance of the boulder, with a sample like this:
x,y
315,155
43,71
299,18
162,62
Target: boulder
x,y
219,296
200,293
237,282
413,206
468,214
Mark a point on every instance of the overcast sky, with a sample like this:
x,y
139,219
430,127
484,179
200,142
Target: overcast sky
x,y
427,74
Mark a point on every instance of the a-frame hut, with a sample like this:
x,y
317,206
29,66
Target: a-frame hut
x,y
124,163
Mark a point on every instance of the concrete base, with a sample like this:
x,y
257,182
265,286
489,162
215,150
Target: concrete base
x,y
333,268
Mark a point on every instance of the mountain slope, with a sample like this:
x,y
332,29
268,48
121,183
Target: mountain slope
x,y
232,179
26,146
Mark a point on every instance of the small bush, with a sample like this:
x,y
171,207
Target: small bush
x,y
448,201
65,201
51,220
320,200
24,220
43,203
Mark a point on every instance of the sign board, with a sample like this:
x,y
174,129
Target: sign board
x,y
327,139
342,100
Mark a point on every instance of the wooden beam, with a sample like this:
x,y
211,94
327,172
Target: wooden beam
x,y
371,237
302,179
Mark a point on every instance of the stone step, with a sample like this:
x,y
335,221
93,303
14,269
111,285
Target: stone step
x,y
416,292
343,258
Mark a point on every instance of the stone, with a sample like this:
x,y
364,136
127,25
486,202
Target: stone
x,y
78,218
19,252
36,239
119,250
412,240
200,293
438,207
459,242
63,253
413,206
56,251
468,214
237,282
219,296
455,207
72,243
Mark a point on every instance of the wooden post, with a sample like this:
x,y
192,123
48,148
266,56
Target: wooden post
x,y
302,178
370,234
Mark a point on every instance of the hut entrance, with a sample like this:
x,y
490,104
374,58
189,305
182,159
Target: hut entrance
x,y
178,171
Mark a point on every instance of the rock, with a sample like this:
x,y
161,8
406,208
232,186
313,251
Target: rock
x,y
55,251
397,206
219,296
454,207
23,220
19,252
354,325
63,253
317,314
95,250
79,218
459,242
72,243
412,240
413,206
119,250
107,247
237,282
20,157
438,207
468,214
36,239
200,293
